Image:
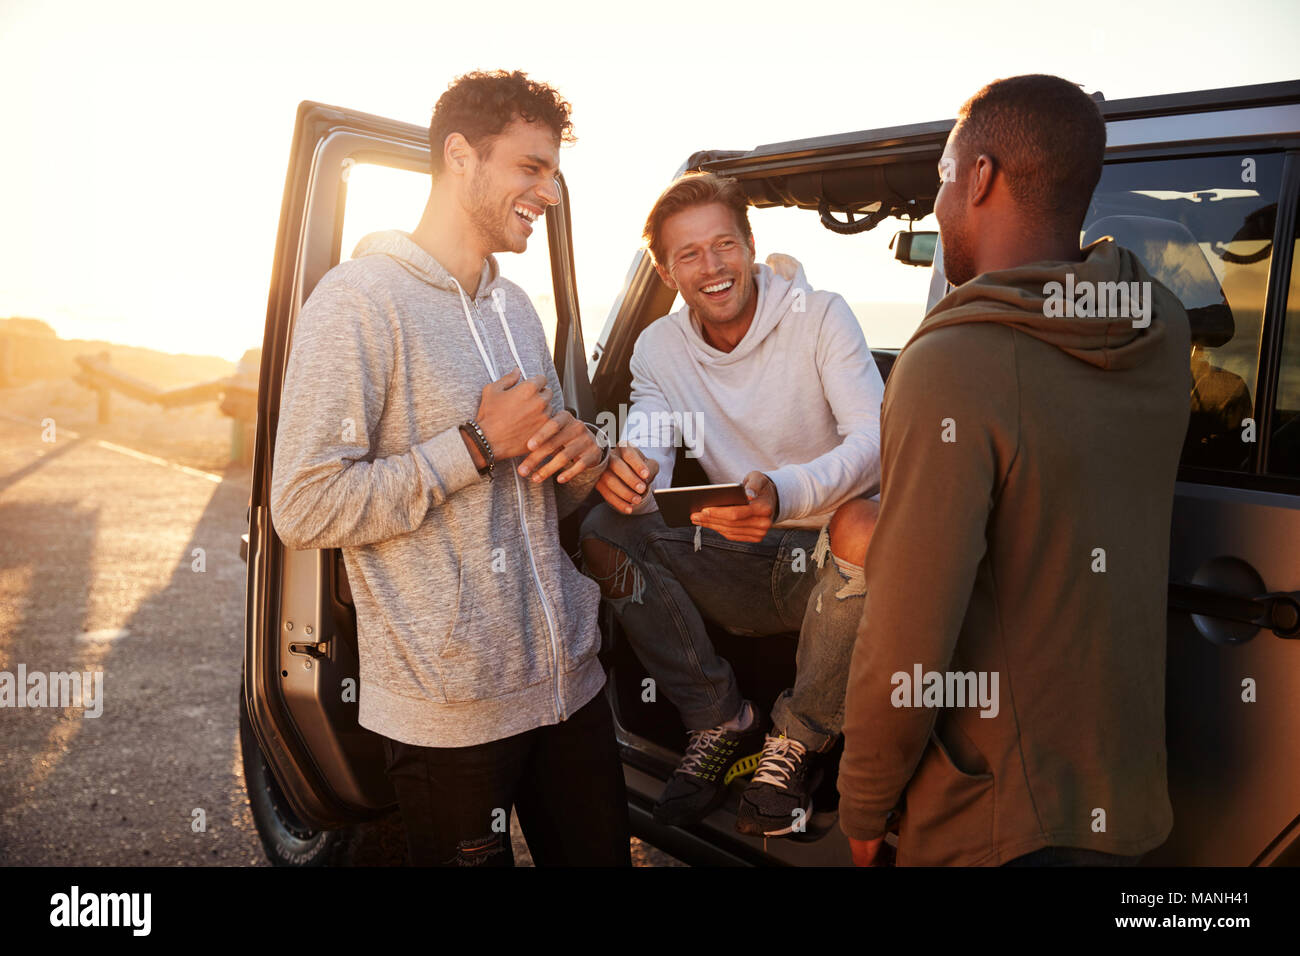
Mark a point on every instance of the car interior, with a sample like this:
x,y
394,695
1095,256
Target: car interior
x,y
1182,217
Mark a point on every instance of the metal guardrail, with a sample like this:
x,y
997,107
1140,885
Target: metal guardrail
x,y
236,394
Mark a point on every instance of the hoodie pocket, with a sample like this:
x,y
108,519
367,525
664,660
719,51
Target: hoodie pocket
x,y
495,646
579,616
950,811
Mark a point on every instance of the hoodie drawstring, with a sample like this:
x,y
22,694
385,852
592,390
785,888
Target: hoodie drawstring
x,y
497,301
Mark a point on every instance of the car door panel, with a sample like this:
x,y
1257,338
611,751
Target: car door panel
x,y
1231,708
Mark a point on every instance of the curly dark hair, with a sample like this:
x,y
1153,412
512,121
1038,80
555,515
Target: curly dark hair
x,y
480,105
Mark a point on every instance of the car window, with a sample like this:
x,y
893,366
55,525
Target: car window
x,y
1284,446
384,197
1204,227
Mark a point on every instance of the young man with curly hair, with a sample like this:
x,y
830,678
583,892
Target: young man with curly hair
x,y
422,430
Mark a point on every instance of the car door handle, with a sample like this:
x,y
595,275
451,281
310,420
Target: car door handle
x,y
1279,611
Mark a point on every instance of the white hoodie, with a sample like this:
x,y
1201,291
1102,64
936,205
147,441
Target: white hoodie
x,y
798,398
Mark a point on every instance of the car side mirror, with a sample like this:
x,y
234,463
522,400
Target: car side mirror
x,y
914,248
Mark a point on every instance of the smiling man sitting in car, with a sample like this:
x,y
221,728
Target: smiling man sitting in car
x,y
787,399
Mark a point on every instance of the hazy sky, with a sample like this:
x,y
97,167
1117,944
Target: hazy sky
x,y
146,142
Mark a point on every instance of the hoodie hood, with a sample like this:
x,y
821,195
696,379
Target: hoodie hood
x,y
1070,305
778,281
400,247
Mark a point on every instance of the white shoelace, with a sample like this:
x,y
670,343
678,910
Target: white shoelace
x,y
780,754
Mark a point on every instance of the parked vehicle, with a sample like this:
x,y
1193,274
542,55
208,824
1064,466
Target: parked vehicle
x,y
1203,186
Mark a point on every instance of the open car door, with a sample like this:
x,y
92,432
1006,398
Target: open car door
x,y
321,769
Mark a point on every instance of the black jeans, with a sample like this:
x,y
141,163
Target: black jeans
x,y
565,780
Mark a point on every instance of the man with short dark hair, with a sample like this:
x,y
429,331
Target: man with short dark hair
x,y
1007,686
420,426
770,384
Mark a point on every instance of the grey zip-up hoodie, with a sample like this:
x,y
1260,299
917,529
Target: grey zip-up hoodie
x,y
472,622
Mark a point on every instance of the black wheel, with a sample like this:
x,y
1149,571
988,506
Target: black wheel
x,y
286,839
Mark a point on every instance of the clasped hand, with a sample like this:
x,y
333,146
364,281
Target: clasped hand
x,y
516,418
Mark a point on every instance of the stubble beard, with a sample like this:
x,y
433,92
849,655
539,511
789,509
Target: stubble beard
x,y
957,261
486,221
709,319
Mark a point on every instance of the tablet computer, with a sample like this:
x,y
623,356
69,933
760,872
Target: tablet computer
x,y
678,504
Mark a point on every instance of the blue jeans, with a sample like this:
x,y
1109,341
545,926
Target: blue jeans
x,y
664,588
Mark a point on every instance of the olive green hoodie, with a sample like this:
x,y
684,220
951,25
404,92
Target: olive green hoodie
x,y
1021,555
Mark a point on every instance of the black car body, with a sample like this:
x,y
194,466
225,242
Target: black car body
x,y
1223,165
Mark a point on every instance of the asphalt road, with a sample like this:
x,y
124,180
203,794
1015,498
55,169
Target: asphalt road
x,y
99,573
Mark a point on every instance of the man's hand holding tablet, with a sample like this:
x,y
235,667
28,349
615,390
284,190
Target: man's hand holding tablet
x,y
744,522
624,483
679,507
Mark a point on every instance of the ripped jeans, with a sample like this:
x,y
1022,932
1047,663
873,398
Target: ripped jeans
x,y
564,780
788,581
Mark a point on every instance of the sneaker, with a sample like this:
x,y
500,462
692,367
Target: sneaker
x,y
783,783
713,759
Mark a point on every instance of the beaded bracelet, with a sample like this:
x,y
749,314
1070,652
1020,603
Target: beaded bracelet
x,y
476,435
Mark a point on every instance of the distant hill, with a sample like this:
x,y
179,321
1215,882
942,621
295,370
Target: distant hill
x,y
30,350
28,327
